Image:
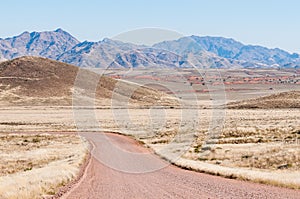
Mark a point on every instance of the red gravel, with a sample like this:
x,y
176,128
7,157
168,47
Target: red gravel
x,y
101,181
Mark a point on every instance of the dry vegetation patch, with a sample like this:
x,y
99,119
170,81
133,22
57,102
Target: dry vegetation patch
x,y
34,166
261,145
263,139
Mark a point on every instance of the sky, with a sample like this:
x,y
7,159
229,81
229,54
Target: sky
x,y
271,23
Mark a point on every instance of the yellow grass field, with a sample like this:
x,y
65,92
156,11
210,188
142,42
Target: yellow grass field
x,y
37,165
254,144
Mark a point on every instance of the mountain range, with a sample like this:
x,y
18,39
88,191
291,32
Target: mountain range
x,y
208,52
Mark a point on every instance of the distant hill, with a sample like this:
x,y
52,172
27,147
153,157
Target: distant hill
x,y
208,52
281,100
41,81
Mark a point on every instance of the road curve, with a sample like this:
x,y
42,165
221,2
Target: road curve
x,y
103,180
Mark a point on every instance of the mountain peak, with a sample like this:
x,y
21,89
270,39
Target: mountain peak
x,y
25,33
49,44
110,41
59,30
63,32
106,40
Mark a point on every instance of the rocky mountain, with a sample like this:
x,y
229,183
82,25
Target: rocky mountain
x,y
243,55
96,54
48,44
212,52
116,54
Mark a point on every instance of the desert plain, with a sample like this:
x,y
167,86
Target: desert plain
x,y
232,129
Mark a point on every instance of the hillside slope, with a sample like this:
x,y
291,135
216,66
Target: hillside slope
x,y
281,100
40,81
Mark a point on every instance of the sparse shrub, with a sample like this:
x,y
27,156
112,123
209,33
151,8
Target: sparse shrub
x,y
36,140
246,156
28,169
296,132
197,149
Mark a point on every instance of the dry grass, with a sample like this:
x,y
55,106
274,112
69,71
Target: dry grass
x,y
288,179
264,141
289,99
34,166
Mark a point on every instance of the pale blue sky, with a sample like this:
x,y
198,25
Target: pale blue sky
x,y
271,23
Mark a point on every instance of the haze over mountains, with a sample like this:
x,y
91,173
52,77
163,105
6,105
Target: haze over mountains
x,y
211,52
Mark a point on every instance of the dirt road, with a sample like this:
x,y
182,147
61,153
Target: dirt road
x,y
124,169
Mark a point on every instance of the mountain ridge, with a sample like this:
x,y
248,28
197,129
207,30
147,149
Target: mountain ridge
x,y
211,52
228,48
